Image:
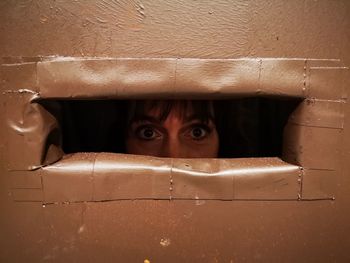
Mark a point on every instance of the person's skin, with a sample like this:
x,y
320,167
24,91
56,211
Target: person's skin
x,y
175,137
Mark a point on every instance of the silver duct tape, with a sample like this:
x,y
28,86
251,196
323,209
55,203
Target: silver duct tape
x,y
319,113
164,78
329,83
319,184
312,147
74,77
20,78
101,177
111,177
27,126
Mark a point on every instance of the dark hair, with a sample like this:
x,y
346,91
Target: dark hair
x,y
203,109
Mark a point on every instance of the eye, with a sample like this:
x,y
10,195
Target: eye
x,y
198,132
147,133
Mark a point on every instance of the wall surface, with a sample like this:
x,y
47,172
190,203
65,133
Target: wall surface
x,y
176,230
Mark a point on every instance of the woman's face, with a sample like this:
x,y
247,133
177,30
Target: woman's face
x,y
178,136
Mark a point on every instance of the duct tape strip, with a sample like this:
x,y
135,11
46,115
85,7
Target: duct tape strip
x,y
61,77
30,127
32,133
329,83
26,186
19,78
93,177
169,78
319,184
312,147
102,177
319,113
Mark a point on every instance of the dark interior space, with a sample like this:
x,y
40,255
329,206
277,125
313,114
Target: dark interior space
x,y
247,127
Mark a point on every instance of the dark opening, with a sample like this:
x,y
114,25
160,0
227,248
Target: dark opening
x,y
247,127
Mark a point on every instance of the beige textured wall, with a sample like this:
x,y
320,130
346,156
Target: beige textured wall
x,y
201,29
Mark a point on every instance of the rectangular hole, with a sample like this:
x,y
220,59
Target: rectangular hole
x,y
247,127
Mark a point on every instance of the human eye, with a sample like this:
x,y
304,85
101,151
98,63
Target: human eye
x,y
147,132
198,132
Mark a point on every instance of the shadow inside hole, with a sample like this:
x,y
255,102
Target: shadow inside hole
x,y
247,127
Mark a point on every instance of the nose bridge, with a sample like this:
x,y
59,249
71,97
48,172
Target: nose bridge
x,y
173,147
